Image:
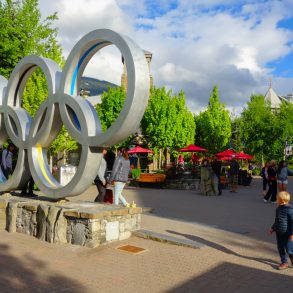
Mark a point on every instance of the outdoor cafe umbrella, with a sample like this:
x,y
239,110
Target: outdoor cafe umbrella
x,y
243,156
192,148
227,154
139,150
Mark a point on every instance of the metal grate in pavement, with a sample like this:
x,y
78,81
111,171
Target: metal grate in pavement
x,y
132,249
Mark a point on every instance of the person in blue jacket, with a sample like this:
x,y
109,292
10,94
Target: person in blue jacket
x,y
283,226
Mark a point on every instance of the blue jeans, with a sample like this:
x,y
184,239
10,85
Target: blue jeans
x,y
118,187
284,245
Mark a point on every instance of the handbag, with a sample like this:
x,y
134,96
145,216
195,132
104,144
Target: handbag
x,y
108,196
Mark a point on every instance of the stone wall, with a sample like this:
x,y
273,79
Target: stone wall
x,y
185,184
81,223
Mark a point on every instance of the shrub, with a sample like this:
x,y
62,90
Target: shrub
x,y
135,173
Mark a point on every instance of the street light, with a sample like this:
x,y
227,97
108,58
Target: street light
x,y
288,147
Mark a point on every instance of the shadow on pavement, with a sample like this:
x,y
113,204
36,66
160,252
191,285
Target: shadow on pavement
x,y
228,277
224,249
22,276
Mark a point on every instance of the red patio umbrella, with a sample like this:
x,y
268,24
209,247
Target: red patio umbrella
x,y
139,150
243,156
228,153
224,158
192,148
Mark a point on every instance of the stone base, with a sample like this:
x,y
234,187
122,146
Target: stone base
x,y
81,223
184,183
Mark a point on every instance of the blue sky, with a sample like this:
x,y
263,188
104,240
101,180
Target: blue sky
x,y
196,44
284,66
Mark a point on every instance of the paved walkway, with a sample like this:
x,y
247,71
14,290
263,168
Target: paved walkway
x,y
238,256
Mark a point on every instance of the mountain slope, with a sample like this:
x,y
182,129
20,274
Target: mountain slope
x,y
95,86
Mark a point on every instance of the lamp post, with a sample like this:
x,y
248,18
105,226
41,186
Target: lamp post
x,y
288,147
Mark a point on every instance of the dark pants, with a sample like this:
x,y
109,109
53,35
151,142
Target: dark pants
x,y
6,172
272,192
102,191
219,184
284,246
264,183
28,189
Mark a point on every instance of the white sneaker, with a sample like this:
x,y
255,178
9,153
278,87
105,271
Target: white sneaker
x,y
264,200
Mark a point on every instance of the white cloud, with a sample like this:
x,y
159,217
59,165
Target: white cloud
x,y
172,73
78,17
194,46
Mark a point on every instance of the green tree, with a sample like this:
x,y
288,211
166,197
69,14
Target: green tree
x,y
22,33
167,122
283,121
236,143
111,106
213,125
258,128
184,130
112,102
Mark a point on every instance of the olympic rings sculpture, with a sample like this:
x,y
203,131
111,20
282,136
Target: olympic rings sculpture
x,y
64,106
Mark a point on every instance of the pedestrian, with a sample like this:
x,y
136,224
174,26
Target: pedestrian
x,y
216,167
282,176
119,176
272,181
283,226
6,163
100,181
180,161
233,172
194,159
28,188
265,177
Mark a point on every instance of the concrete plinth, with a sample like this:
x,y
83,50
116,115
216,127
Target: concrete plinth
x,y
81,223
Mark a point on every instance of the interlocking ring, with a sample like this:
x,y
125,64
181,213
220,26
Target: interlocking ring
x,y
64,106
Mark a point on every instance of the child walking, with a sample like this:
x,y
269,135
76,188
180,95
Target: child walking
x,y
283,226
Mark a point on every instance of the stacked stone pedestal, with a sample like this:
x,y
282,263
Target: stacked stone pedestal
x,y
81,223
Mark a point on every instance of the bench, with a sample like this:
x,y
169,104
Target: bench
x,y
148,178
152,178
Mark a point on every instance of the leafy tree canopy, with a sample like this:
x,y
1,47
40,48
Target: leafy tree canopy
x,y
167,122
263,130
213,125
22,33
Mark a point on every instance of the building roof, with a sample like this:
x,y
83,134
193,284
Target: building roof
x,y
273,98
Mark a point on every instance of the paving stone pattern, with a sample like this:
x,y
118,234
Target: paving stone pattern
x,y
229,261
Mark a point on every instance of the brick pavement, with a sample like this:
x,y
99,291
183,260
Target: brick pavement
x,y
238,255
